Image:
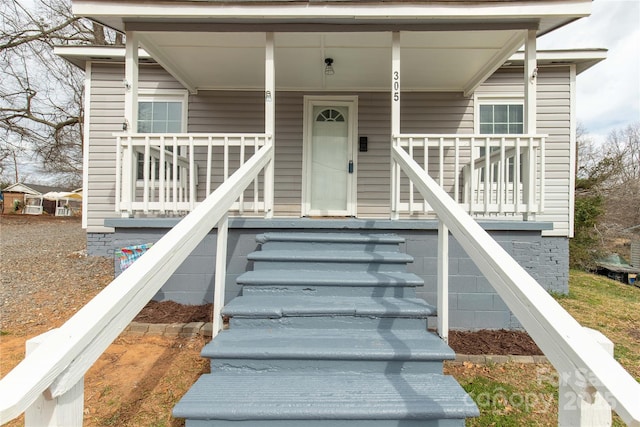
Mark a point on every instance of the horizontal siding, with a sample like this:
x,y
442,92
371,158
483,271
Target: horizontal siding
x,y
554,113
107,115
221,111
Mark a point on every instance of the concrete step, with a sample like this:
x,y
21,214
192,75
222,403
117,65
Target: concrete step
x,y
333,351
326,283
327,312
306,306
336,399
330,241
327,260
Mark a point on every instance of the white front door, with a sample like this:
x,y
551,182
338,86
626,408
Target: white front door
x,y
329,158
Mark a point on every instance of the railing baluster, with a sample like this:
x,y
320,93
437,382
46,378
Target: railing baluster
x,y
542,175
153,162
162,170
516,179
488,176
411,183
209,155
473,176
256,182
441,163
241,199
456,169
503,179
425,164
225,158
145,175
192,174
119,159
174,171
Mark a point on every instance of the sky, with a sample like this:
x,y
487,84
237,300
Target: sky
x,y
608,94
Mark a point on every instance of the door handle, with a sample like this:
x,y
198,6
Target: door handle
x,y
350,166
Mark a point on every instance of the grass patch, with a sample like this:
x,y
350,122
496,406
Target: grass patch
x,y
511,394
515,394
610,307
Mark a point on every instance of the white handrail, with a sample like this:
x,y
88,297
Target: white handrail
x,y
571,350
64,357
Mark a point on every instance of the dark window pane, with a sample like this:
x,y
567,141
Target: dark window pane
x,y
515,113
144,110
160,111
159,127
516,128
174,127
486,128
144,127
486,113
174,111
501,128
501,114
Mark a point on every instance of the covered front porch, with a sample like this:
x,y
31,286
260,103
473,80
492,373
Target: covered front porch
x,y
332,102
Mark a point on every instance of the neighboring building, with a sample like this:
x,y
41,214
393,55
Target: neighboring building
x,y
22,194
202,85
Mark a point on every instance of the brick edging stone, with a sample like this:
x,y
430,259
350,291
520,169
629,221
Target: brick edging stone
x,y
483,359
169,330
194,329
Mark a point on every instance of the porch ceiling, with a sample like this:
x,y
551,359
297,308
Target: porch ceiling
x,y
431,60
219,44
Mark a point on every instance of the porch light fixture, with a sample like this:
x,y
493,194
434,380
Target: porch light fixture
x,y
328,66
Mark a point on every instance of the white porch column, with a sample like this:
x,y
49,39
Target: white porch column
x,y
530,118
395,122
130,123
66,410
573,409
269,119
530,83
131,82
443,281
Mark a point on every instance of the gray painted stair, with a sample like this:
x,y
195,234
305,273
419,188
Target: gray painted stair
x,y
327,332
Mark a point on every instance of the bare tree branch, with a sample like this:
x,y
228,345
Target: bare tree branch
x,y
41,96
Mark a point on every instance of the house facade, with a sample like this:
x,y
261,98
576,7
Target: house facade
x,y
201,86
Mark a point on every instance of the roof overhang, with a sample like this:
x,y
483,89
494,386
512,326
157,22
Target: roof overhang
x,y
125,15
583,59
446,45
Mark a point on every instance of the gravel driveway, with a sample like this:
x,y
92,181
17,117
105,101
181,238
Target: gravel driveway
x,y
45,275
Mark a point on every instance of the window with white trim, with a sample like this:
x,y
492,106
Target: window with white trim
x,y
159,116
160,112
502,116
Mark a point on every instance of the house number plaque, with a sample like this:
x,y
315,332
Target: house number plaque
x,y
396,86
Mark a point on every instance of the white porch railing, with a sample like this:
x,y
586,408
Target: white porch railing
x,y
487,175
585,366
57,366
173,173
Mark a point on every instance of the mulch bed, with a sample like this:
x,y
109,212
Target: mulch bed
x,y
172,312
500,342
